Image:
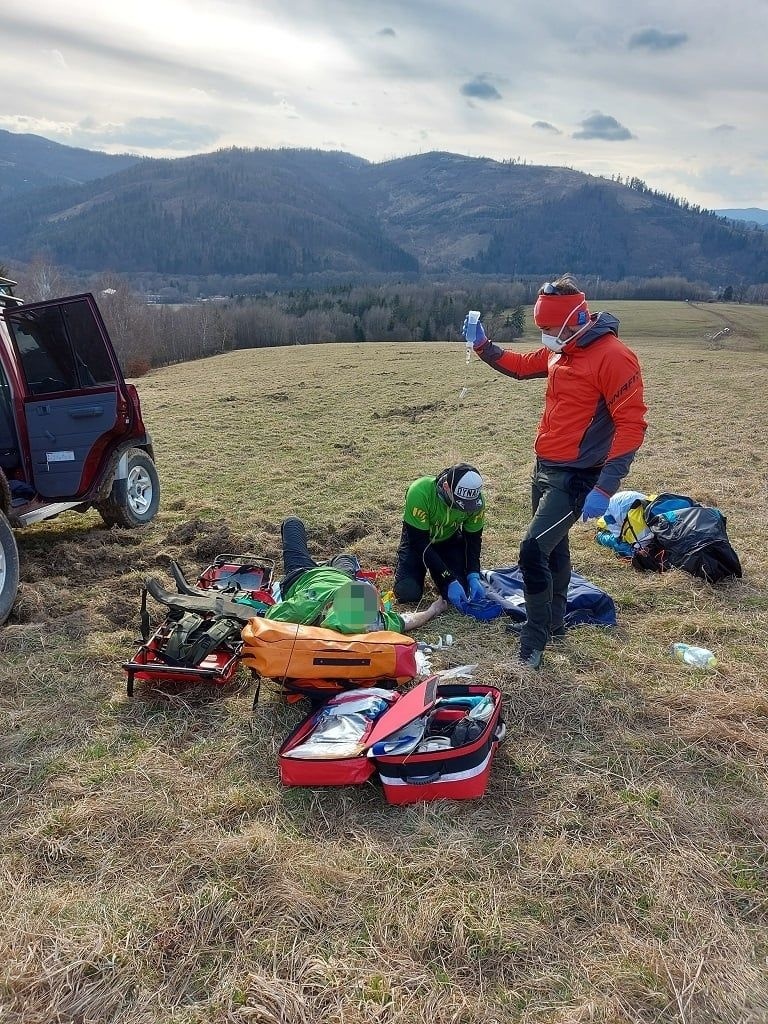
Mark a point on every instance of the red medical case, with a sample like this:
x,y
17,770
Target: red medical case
x,y
340,771
457,773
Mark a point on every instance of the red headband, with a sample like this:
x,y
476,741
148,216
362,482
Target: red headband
x,y
561,310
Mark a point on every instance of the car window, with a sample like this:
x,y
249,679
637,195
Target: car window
x,y
46,358
91,357
61,348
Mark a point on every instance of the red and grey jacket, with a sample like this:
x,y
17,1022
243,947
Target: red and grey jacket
x,y
594,413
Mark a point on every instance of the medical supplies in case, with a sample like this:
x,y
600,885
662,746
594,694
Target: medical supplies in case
x,y
468,716
328,748
436,741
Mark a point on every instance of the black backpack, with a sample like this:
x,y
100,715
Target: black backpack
x,y
192,637
195,626
689,536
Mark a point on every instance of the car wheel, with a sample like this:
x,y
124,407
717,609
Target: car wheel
x,y
133,501
9,568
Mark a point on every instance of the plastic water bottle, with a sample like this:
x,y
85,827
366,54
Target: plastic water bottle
x,y
696,657
473,318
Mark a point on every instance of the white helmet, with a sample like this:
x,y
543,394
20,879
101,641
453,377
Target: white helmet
x,y
461,487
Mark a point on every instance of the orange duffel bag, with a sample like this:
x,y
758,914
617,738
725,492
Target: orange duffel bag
x,y
285,650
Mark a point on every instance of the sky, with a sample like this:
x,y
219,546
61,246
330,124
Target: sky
x,y
674,92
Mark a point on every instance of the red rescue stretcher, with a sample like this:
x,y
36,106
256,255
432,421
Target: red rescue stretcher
x,y
233,576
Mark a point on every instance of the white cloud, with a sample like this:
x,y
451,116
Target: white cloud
x,y
57,58
382,79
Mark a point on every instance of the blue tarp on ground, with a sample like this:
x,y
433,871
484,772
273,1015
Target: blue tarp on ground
x,y
587,605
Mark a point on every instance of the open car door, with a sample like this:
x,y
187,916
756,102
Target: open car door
x,y
76,403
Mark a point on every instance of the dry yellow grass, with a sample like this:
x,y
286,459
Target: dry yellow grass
x,y
153,868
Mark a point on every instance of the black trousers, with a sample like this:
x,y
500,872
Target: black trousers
x,y
411,569
296,556
557,498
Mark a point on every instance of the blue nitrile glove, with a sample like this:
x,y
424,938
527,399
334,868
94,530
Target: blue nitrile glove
x,y
476,588
458,597
595,504
480,338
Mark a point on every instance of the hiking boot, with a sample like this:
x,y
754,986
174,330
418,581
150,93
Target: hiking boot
x,y
557,636
530,660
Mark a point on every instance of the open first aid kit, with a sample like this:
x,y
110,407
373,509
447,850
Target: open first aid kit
x,y
437,741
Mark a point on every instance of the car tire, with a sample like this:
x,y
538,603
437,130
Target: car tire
x,y
133,501
9,568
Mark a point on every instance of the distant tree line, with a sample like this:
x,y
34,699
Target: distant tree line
x,y
638,185
152,334
148,334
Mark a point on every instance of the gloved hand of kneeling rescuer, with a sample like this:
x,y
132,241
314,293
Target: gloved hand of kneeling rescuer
x,y
458,597
476,588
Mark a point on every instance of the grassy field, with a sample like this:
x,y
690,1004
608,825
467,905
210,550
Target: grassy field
x,y
153,869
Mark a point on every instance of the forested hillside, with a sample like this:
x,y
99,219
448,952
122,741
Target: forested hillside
x,y
298,213
228,213
29,162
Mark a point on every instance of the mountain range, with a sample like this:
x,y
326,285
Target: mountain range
x,y
752,215
29,162
290,213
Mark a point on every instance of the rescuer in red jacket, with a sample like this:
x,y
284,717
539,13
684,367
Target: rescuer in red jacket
x,y
592,425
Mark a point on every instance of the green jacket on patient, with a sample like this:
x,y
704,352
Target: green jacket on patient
x,y
310,602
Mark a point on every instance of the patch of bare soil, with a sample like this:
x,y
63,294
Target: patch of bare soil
x,y
87,581
412,413
333,538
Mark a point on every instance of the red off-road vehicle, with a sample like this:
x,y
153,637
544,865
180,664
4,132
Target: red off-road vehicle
x,y
71,432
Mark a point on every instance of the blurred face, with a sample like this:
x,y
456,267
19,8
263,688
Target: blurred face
x,y
357,605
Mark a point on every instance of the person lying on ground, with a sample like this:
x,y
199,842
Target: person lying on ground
x,y
329,594
442,531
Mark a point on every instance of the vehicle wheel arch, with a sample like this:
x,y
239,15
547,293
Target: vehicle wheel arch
x,y
113,467
134,496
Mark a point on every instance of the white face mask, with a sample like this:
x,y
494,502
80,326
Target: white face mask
x,y
553,342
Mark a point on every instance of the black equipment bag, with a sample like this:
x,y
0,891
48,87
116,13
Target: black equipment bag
x,y
689,536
